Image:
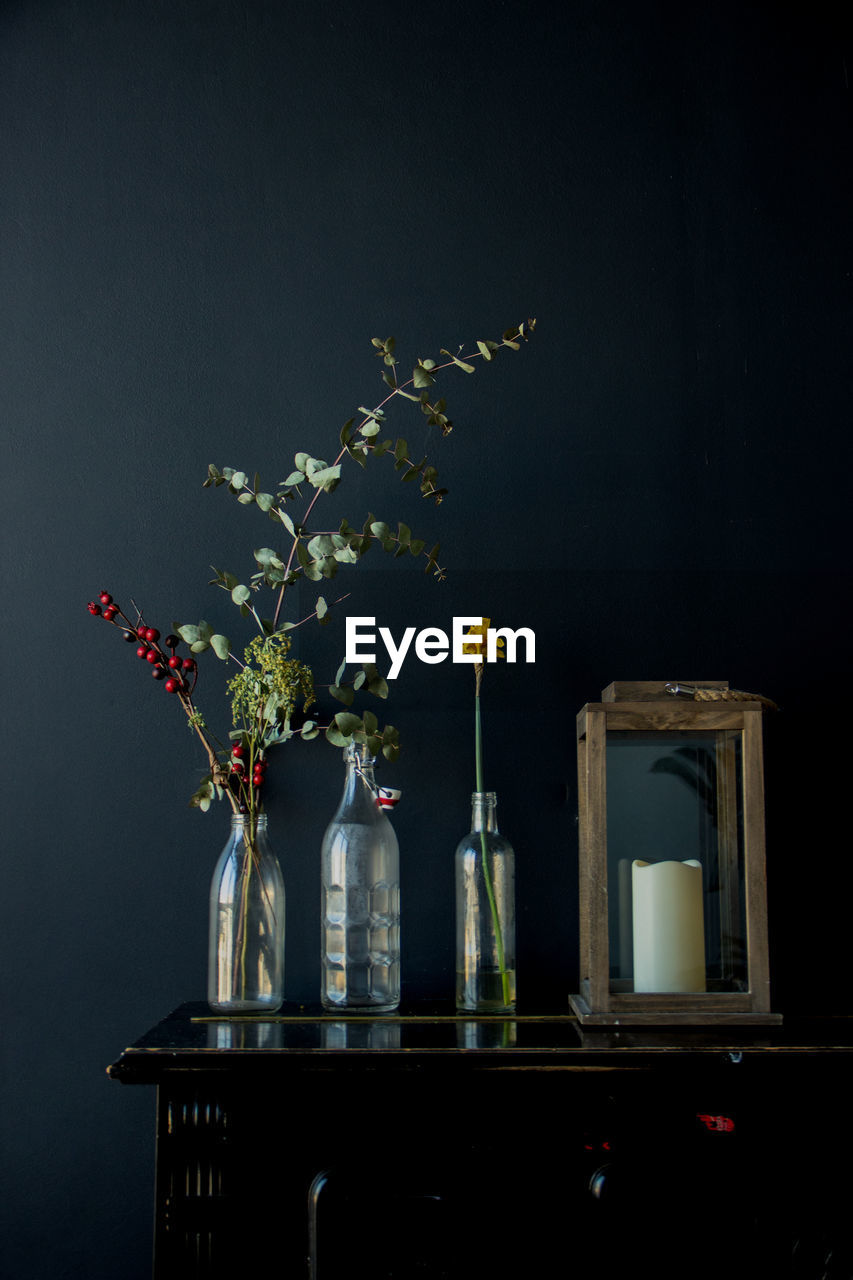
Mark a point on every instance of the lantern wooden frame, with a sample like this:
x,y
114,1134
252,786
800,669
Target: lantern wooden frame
x,y
647,708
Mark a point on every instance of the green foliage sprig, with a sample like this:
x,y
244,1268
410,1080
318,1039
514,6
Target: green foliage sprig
x,y
269,685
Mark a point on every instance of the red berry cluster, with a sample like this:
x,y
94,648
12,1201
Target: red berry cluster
x,y
179,674
239,767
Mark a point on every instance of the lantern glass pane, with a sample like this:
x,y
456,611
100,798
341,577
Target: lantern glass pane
x,y
676,797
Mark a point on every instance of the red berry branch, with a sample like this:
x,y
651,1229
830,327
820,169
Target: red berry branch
x,y
180,676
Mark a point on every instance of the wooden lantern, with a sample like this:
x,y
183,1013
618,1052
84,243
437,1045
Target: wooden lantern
x,y
673,915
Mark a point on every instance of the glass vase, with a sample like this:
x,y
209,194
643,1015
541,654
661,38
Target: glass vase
x,y
485,913
360,905
245,972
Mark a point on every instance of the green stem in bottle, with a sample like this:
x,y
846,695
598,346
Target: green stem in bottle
x,y
487,877
249,857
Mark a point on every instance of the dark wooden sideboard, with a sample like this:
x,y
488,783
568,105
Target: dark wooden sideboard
x,y
430,1144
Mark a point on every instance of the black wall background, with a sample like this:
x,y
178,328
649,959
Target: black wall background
x,y
208,210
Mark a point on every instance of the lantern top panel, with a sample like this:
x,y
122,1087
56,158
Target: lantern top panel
x,y
651,705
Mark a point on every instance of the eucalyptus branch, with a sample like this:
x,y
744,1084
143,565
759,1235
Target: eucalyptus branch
x,y
358,441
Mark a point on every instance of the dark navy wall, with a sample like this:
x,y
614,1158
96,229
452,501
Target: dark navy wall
x,y
208,210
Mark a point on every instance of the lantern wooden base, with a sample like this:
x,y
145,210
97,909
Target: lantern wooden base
x,y
667,1013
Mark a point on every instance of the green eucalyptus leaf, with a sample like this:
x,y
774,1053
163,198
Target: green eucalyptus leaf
x,y
370,723
267,555
378,687
325,478
341,693
204,796
462,364
321,545
241,594
347,722
221,646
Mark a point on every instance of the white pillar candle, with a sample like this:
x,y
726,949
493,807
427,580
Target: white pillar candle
x,y
669,927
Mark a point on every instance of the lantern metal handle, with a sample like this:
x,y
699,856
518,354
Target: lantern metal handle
x,y
676,689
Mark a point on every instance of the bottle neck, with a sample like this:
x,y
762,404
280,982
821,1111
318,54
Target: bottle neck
x,y
360,762
484,816
249,832
243,822
361,796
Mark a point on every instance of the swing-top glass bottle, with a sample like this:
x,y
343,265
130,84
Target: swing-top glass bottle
x,y
360,906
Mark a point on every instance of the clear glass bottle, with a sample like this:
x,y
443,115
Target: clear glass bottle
x,y
245,971
485,913
360,906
